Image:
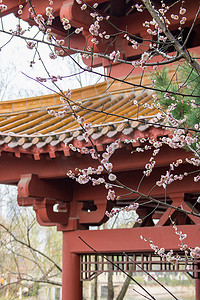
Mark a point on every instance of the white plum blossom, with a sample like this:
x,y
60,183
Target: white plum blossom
x,y
111,195
112,177
131,207
3,7
114,56
82,179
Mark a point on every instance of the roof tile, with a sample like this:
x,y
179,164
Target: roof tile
x,y
26,126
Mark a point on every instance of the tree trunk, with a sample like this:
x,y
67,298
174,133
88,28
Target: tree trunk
x,y
124,288
110,282
95,289
110,286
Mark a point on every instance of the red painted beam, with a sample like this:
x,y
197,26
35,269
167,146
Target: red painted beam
x,y
128,240
123,160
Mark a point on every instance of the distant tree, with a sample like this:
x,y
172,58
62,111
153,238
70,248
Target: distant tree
x,y
30,255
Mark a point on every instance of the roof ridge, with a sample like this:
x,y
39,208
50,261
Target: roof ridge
x,y
101,89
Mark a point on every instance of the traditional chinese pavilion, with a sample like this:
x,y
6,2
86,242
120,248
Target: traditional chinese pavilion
x,y
35,155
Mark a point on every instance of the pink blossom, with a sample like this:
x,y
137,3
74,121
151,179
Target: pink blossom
x,y
114,56
111,195
3,7
82,179
112,177
52,55
30,45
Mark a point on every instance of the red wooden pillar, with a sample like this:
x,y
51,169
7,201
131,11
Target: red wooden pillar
x,y
197,289
71,284
197,284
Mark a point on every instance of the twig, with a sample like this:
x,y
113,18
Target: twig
x,y
191,28
103,256
151,276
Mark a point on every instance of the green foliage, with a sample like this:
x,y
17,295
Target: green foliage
x,y
165,280
185,81
34,291
177,98
173,281
139,279
192,86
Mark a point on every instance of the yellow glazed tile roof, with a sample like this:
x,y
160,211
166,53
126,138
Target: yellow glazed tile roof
x,y
26,126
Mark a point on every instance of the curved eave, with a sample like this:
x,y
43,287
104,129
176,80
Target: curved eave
x,y
26,127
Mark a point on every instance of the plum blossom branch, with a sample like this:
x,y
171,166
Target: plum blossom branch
x,y
189,253
162,26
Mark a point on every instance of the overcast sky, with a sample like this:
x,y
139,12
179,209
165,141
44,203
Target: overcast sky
x,y
15,59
